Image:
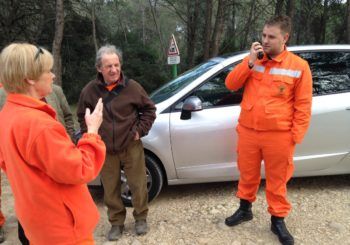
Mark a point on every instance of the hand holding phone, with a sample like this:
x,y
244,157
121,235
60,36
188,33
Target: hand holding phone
x,y
256,51
260,55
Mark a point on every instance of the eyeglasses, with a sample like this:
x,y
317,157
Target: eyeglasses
x,y
38,52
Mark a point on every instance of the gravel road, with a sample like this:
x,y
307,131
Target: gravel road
x,y
194,214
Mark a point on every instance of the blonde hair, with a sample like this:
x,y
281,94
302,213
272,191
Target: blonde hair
x,y
20,61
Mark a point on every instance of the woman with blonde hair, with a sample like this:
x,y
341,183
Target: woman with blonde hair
x,y
46,171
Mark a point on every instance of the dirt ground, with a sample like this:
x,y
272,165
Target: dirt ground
x,y
194,214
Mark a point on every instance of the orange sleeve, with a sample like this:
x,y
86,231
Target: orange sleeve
x,y
302,105
238,76
54,153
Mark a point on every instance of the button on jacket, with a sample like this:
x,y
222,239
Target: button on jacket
x,y
277,94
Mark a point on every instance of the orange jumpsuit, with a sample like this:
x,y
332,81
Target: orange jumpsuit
x,y
275,114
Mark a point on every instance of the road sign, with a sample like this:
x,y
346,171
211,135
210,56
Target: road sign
x,y
173,49
173,60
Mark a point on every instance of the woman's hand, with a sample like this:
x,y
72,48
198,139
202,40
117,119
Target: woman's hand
x,y
94,120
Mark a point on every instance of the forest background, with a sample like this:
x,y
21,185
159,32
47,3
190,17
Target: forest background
x,y
74,29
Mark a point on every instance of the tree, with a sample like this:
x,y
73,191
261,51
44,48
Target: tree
x,y
218,28
22,20
93,22
248,25
290,9
323,22
162,47
57,42
279,7
207,28
348,22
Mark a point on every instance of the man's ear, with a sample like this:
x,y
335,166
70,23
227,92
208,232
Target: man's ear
x,y
285,38
29,81
98,69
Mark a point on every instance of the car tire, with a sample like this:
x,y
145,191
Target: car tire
x,y
155,179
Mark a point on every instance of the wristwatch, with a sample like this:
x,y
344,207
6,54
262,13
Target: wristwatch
x,y
250,65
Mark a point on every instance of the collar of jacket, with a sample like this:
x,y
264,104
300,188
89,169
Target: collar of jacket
x,y
31,102
279,58
101,81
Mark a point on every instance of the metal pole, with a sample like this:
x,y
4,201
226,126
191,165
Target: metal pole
x,y
174,71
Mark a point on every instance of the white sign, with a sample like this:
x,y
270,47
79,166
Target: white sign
x,y
173,49
173,60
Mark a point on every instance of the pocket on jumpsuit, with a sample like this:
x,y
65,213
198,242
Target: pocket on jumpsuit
x,y
282,86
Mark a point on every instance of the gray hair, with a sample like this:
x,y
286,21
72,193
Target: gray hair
x,y
108,49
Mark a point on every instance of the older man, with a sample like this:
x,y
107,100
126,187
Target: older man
x,y
128,115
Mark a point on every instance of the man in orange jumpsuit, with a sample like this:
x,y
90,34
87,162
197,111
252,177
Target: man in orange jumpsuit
x,y
275,114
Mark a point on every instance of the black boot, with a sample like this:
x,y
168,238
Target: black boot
x,y
243,213
279,228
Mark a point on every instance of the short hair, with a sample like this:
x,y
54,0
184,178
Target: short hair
x,y
284,22
108,49
20,61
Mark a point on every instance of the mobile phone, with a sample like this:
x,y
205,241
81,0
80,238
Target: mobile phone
x,y
260,54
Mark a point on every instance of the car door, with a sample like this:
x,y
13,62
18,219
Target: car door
x,y
204,146
327,141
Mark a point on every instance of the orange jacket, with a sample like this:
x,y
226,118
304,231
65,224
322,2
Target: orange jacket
x,y
277,93
48,173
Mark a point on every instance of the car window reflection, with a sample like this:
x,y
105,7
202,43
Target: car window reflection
x,y
330,71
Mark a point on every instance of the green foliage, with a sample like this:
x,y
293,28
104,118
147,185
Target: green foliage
x,y
142,28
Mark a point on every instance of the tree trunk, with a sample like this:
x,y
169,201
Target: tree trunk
x,y
248,24
290,10
143,23
348,24
207,28
279,7
192,21
162,46
323,23
93,20
57,42
218,28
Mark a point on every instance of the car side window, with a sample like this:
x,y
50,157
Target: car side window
x,y
330,71
213,93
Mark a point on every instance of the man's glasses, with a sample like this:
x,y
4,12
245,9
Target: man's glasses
x,y
38,52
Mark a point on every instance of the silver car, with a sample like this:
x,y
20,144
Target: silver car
x,y
193,139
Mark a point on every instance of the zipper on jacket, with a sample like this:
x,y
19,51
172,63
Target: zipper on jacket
x,y
113,126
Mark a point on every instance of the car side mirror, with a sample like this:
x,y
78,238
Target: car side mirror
x,y
192,103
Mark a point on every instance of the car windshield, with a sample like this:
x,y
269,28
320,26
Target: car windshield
x,y
174,86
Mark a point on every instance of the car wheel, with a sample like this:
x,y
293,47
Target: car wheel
x,y
154,181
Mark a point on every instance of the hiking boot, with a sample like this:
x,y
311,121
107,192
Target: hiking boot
x,y
278,227
141,227
115,232
243,213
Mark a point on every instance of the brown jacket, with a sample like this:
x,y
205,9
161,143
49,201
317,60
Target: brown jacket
x,y
127,109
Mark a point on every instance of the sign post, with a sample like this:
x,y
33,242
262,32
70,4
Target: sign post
x,y
173,55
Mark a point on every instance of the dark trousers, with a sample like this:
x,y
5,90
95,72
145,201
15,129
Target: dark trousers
x,y
21,236
133,161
